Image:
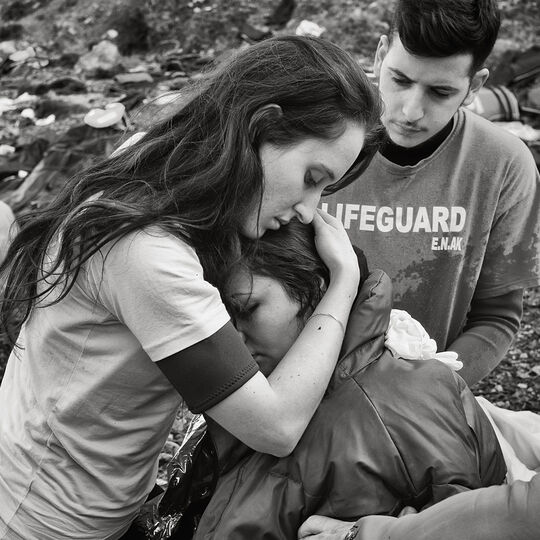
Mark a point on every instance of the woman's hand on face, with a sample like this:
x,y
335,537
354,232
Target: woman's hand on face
x,y
334,246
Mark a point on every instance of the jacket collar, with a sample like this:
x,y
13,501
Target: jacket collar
x,y
368,322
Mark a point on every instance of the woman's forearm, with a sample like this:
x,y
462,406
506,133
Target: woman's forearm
x,y
271,414
302,376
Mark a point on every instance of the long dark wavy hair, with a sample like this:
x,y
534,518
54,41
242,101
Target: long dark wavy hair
x,y
196,174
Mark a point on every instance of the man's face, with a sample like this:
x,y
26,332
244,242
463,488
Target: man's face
x,y
421,94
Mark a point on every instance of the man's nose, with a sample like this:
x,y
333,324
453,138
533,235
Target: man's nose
x,y
413,106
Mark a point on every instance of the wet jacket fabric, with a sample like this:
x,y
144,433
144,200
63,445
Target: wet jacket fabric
x,y
389,432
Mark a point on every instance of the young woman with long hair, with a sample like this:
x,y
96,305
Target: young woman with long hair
x,y
118,279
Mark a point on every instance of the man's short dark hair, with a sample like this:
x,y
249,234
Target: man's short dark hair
x,y
441,28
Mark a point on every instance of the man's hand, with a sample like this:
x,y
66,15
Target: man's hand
x,y
407,510
324,528
370,527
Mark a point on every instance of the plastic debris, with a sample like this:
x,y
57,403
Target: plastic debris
x,y
23,55
28,113
7,47
6,149
137,77
111,34
47,121
309,28
101,118
6,104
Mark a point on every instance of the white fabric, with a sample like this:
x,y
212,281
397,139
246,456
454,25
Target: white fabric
x,y
407,338
84,409
518,433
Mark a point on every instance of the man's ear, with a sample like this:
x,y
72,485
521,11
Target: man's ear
x,y
382,51
478,80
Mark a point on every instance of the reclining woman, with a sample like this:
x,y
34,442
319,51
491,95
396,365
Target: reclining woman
x,y
116,282
389,432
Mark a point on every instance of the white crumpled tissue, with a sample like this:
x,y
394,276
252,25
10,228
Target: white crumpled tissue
x,y
407,338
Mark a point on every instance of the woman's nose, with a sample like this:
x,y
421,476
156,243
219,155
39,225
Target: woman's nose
x,y
304,213
305,209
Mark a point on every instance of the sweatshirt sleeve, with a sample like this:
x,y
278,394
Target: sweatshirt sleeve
x,y
508,512
492,324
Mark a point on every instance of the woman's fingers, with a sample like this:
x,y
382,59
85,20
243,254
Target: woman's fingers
x,y
333,244
328,218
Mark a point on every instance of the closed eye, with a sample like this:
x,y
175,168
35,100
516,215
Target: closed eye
x,y
245,312
400,81
309,180
442,93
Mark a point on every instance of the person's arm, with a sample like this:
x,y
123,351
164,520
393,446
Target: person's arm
x,y
271,414
508,512
511,259
492,324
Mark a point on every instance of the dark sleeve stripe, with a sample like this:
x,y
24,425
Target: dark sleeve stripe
x,y
210,370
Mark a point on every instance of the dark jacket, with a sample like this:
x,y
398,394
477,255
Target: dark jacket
x,y
388,433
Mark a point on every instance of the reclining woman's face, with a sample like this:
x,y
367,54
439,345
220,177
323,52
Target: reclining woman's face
x,y
266,317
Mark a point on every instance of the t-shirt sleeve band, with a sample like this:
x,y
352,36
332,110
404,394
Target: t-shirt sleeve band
x,y
210,370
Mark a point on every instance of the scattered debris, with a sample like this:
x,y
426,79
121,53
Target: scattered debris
x,y
6,149
308,28
139,77
104,56
101,118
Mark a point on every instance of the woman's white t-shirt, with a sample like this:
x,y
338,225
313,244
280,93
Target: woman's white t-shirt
x,y
84,410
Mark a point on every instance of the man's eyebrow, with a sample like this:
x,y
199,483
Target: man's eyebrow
x,y
399,73
445,87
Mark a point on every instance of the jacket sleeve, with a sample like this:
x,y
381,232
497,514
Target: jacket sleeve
x,y
508,512
491,464
445,441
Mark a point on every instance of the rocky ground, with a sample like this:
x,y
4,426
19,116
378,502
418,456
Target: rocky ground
x,y
515,383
